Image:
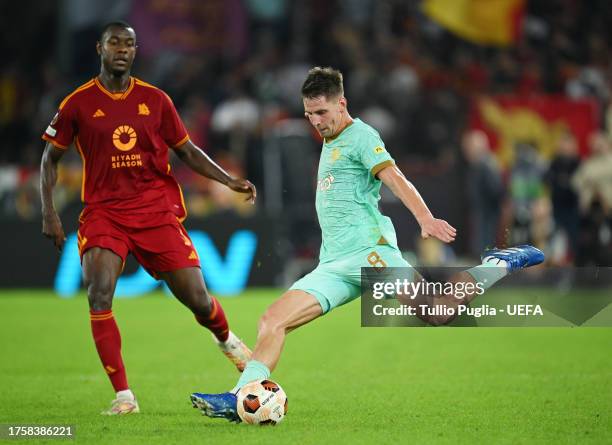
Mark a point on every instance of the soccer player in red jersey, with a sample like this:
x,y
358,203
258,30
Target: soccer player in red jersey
x,y
123,127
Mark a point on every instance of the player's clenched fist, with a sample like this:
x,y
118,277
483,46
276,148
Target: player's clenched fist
x,y
52,229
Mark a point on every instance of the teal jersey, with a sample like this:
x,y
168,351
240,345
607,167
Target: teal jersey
x,y
348,192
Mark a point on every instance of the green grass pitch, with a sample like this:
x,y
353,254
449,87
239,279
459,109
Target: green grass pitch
x,y
345,384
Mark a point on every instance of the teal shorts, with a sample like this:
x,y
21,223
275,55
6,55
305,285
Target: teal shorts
x,y
335,283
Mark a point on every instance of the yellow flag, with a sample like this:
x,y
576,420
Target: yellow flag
x,y
487,22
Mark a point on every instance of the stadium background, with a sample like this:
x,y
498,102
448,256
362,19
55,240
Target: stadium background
x,y
533,76
233,68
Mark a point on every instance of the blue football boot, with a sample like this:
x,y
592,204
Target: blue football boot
x,y
516,257
222,405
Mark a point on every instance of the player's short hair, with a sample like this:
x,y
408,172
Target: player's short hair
x,y
325,82
115,24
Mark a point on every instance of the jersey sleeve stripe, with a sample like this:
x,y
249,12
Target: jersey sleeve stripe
x,y
81,88
54,142
379,167
181,142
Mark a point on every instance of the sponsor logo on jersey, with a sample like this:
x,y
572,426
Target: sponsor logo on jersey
x,y
124,161
378,150
325,183
124,138
99,113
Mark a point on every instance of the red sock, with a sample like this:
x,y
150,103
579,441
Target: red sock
x,y
108,343
216,321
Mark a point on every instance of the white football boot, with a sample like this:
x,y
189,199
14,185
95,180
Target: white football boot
x,y
121,406
235,350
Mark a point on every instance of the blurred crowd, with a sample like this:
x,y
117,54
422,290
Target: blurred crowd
x,y
405,75
563,206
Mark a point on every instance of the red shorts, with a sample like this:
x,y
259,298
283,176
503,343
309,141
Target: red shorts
x,y
158,241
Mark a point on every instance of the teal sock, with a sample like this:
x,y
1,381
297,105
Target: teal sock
x,y
489,273
254,371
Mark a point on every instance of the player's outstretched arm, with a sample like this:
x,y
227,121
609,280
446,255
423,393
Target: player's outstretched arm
x,y
393,178
201,163
52,225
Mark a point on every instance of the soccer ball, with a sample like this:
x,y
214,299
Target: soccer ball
x,y
262,402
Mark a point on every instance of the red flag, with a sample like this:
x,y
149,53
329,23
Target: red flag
x,y
540,120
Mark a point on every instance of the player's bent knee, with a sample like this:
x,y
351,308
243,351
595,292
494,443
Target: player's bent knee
x,y
196,298
100,296
202,306
202,301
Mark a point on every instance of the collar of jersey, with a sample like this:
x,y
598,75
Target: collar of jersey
x,y
115,96
331,142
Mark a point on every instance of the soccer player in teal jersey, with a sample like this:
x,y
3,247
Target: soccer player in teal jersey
x,y
354,162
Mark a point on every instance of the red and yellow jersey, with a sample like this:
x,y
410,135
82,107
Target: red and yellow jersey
x,y
123,139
